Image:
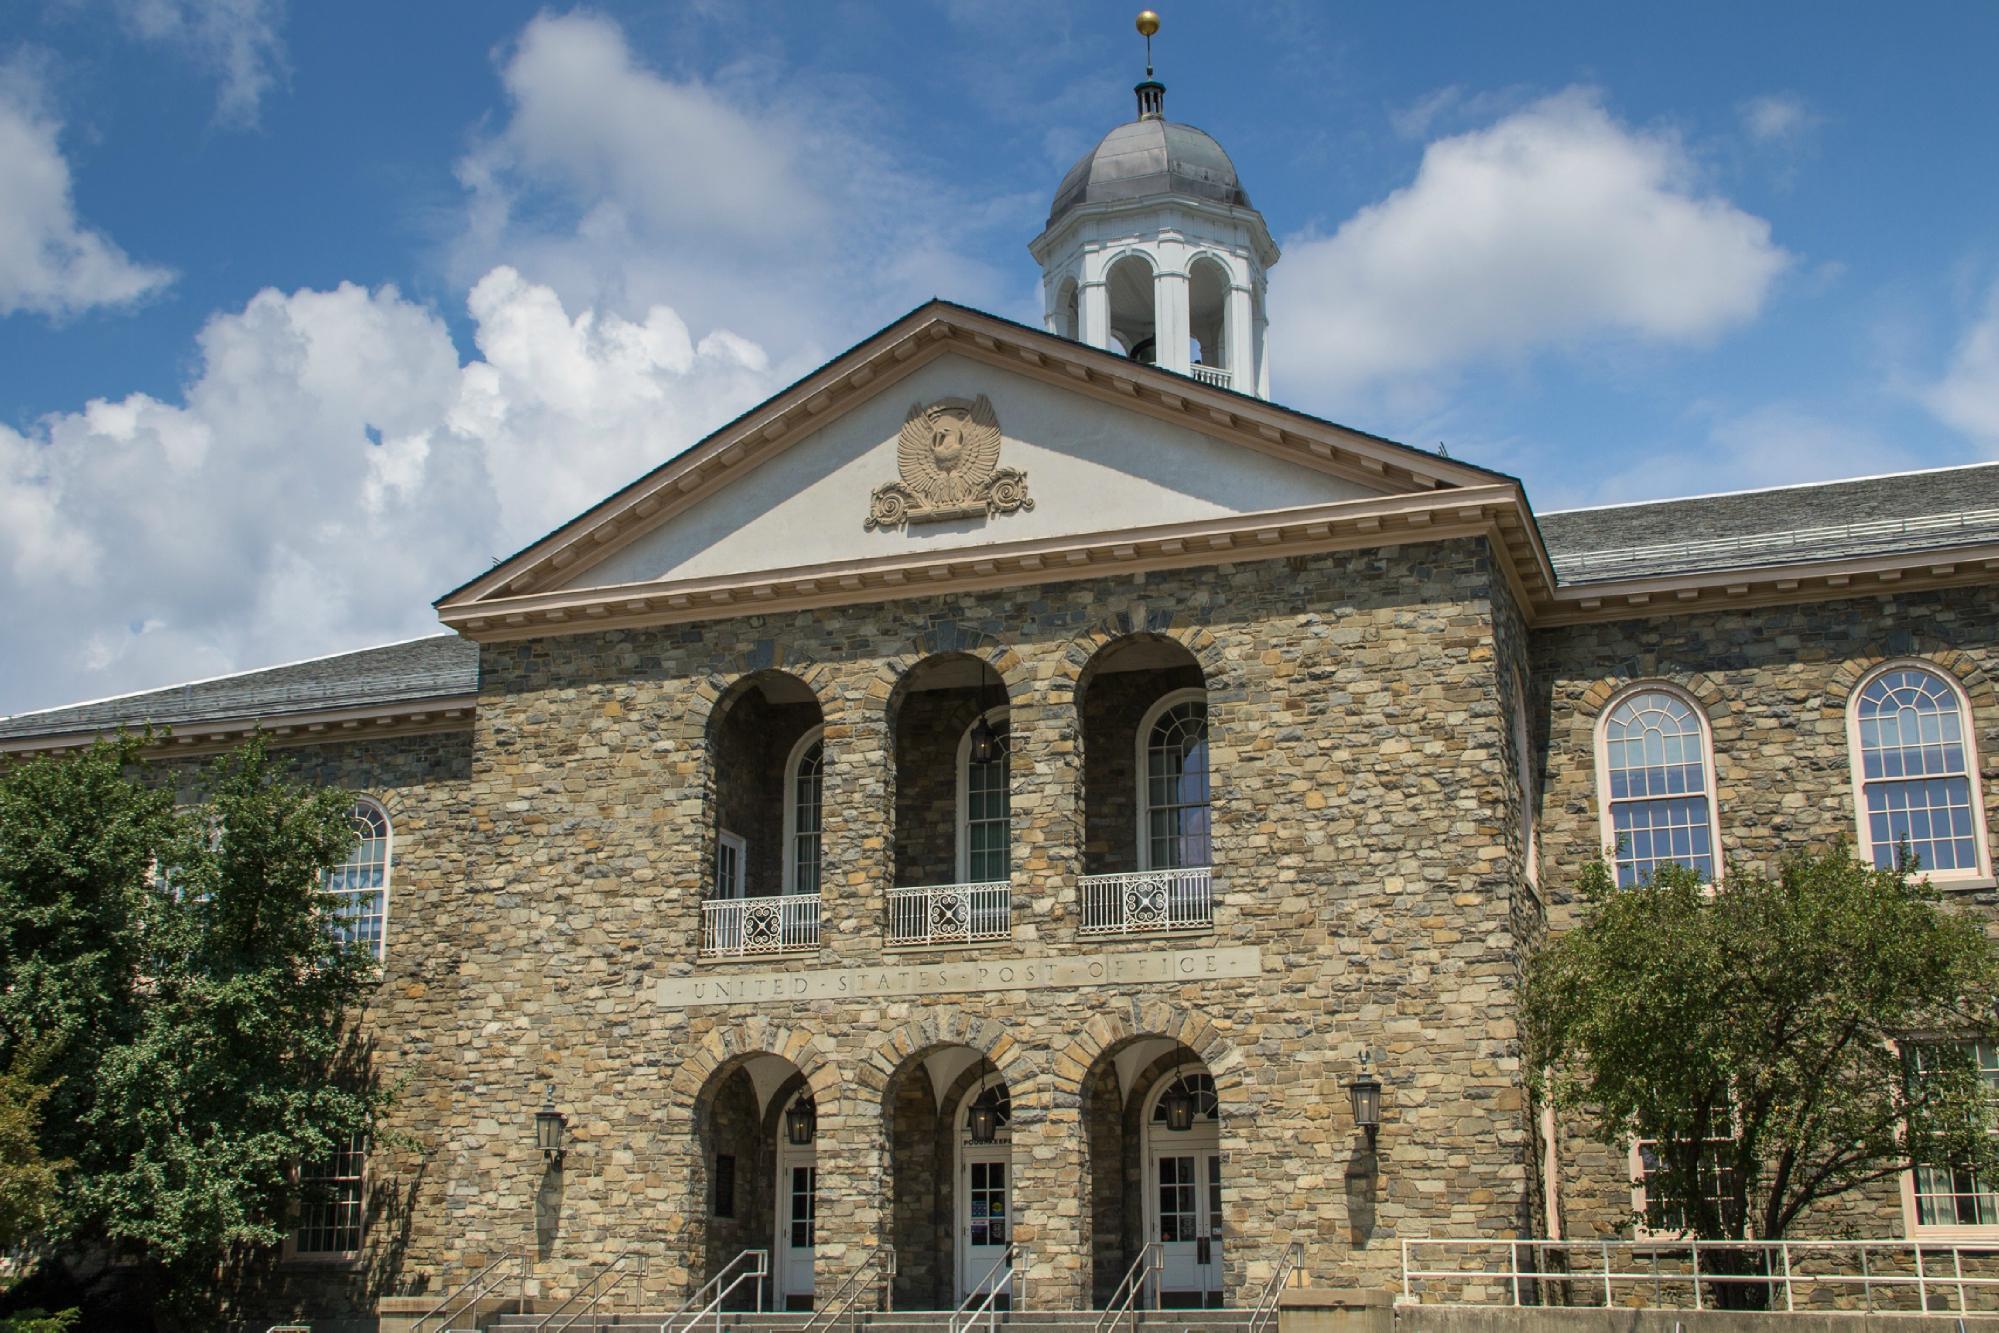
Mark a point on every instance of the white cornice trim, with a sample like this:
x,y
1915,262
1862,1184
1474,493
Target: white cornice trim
x,y
405,717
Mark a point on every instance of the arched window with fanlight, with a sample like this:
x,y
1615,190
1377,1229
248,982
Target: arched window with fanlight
x,y
1656,781
1173,802
360,884
1915,771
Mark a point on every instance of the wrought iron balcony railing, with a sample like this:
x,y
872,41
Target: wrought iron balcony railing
x,y
1148,900
950,913
734,927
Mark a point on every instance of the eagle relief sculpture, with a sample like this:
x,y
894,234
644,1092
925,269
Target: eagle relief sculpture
x,y
949,459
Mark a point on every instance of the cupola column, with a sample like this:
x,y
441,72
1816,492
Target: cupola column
x,y
1096,308
1236,340
1169,319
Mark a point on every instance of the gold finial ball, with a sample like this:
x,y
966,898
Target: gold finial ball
x,y
1148,22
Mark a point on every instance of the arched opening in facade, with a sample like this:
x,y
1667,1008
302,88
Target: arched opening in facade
x,y
1154,1172
766,752
756,1126
1147,801
953,804
947,1120
1128,287
1207,315
1068,309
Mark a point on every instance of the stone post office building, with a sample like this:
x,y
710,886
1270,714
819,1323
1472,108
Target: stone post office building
x,y
999,791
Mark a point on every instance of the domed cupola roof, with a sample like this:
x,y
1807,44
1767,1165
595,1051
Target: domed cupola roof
x,y
1148,156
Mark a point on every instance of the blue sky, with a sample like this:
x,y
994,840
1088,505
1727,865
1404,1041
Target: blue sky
x,y
307,312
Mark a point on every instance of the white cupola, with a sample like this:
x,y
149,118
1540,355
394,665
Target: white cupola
x,y
1153,250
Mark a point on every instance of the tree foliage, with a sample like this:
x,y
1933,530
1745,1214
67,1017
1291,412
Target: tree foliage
x,y
1760,1033
173,973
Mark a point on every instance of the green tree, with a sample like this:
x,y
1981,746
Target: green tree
x,y
1762,1034
175,972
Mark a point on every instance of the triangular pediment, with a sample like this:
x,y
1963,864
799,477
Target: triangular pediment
x,y
1098,444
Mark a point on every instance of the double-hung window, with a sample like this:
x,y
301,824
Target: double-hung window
x,y
1942,1197
331,1207
1656,784
1915,774
361,882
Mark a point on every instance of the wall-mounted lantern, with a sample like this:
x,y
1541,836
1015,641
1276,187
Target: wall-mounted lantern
x,y
801,1121
1365,1090
549,1124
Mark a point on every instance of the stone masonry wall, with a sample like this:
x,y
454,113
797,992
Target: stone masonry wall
x,y
1358,768
1775,683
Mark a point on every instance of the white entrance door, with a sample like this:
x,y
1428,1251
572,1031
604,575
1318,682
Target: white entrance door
x,y
985,1194
1187,1209
797,1219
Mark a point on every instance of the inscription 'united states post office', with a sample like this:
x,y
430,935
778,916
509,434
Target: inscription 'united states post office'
x,y
1032,973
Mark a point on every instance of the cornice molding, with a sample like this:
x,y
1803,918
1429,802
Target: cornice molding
x,y
1486,511
895,353
404,717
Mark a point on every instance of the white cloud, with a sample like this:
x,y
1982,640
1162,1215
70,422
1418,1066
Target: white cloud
x,y
1778,119
1554,226
1967,397
51,263
760,200
1777,444
236,41
331,468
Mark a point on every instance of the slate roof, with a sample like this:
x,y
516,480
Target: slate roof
x,y
436,667
1911,511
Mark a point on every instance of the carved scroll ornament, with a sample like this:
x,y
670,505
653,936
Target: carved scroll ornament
x,y
948,456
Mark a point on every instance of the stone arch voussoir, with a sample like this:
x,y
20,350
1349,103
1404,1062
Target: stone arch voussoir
x,y
694,1082
1019,1064
1960,666
1166,622
948,636
733,669
1111,1028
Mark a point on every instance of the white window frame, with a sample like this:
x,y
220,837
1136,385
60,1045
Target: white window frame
x,y
1530,796
1640,1195
735,842
388,871
1143,748
1981,875
1606,814
993,717
332,1258
1949,1230
815,736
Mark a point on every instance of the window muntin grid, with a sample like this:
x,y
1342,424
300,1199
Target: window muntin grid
x,y
1948,1196
986,1198
362,882
1915,772
988,821
1656,784
330,1210
1201,1088
1666,1213
807,789
1177,815
804,1206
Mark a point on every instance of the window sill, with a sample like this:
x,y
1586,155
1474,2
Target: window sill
x,y
1927,1235
765,959
1173,933
321,1263
1970,884
947,946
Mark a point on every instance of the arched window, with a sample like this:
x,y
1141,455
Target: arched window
x,y
803,787
985,825
1198,1088
362,881
1658,804
1173,776
1914,771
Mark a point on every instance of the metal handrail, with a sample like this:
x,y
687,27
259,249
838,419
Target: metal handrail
x,y
992,1290
602,1291
714,1306
1266,1305
844,1295
1151,1259
478,1287
1786,1270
